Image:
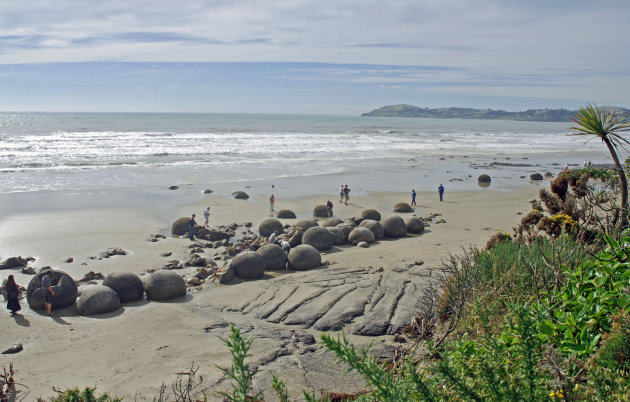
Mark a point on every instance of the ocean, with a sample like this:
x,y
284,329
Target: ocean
x,y
148,152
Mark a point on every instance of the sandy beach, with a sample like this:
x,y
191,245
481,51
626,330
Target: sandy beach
x,y
133,350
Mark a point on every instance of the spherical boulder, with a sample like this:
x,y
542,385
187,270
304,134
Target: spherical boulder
x,y
402,207
375,227
339,237
536,176
240,195
394,226
63,285
273,255
248,265
361,234
285,214
363,244
371,214
320,211
484,178
306,223
270,225
346,228
127,285
304,257
318,237
332,222
98,299
164,285
414,224
180,226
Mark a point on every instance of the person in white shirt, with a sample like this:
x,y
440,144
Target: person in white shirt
x,y
206,214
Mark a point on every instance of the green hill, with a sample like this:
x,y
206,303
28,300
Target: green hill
x,y
560,115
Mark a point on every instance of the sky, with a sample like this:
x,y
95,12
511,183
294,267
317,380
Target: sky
x,y
311,56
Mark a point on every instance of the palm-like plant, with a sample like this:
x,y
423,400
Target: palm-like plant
x,y
607,124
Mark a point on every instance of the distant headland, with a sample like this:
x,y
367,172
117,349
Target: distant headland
x,y
555,115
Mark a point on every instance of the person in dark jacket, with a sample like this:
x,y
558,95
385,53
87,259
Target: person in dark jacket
x,y
13,296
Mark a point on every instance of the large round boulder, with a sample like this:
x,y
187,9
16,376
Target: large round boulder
x,y
346,228
248,265
285,214
127,285
484,179
318,237
240,195
304,257
339,237
164,285
361,234
394,226
63,285
371,214
402,207
306,223
375,227
320,211
180,226
270,225
332,222
98,299
414,224
273,255
536,176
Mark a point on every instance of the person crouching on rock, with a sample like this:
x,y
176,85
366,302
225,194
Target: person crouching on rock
x,y
272,237
191,227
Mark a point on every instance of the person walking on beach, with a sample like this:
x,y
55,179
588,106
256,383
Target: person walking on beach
x,y
346,193
191,227
272,199
206,215
441,191
329,207
49,293
413,197
13,295
342,193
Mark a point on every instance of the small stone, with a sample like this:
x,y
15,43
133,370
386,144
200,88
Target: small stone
x,y
167,254
69,260
173,188
17,348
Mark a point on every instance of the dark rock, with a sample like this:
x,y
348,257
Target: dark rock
x,y
273,255
164,285
414,224
28,271
548,175
361,234
63,285
173,264
112,252
91,276
180,226
371,214
98,300
320,211
211,234
375,227
13,262
69,260
536,176
332,222
17,348
484,178
207,191
248,265
306,223
203,273
167,254
173,188
285,214
304,257
226,274
196,261
270,225
339,237
402,207
318,237
346,228
240,195
127,285
394,226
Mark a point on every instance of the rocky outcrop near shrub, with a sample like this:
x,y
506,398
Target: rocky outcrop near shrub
x,y
414,224
127,285
320,211
164,285
361,234
318,237
394,226
273,256
371,214
402,207
63,285
248,265
270,225
98,299
375,227
304,257
285,214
